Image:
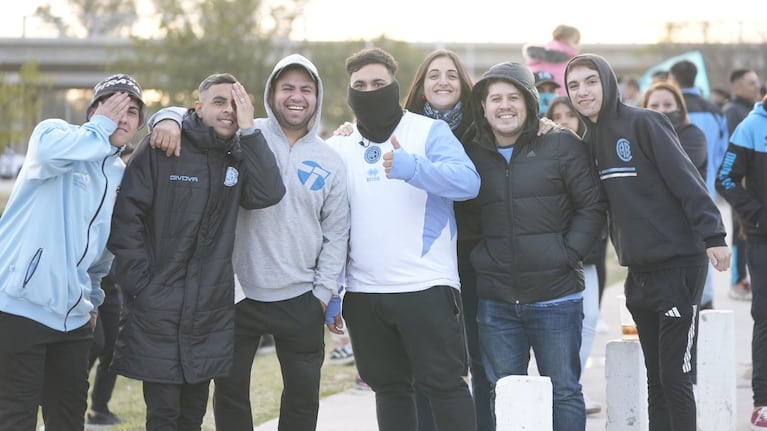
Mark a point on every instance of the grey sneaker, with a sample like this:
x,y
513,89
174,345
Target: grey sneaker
x,y
98,420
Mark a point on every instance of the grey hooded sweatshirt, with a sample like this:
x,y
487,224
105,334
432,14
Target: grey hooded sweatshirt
x,y
299,244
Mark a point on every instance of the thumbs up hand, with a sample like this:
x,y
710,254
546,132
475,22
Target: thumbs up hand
x,y
388,158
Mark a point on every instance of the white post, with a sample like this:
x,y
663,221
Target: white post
x,y
626,381
716,371
524,403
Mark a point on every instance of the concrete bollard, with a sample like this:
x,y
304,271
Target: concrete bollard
x,y
715,396
626,381
524,403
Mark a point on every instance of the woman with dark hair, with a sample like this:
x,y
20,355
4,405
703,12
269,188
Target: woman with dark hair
x,y
441,89
561,111
667,98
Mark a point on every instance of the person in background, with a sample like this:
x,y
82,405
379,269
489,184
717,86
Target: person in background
x,y
562,112
172,237
631,93
402,302
553,56
547,90
594,266
720,98
102,350
441,89
287,277
664,226
541,211
745,160
746,91
713,123
659,76
666,98
53,235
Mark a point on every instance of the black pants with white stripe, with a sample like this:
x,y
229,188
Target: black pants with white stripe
x,y
664,304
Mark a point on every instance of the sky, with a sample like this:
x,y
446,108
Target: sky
x,y
481,21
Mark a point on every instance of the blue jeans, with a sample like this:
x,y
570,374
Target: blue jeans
x,y
553,330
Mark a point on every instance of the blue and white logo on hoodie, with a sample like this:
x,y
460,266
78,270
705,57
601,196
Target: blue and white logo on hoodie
x,y
623,148
312,175
232,176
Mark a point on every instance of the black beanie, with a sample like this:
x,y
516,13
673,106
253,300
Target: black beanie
x,y
119,83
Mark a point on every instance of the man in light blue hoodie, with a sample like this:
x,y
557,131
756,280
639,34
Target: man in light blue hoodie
x,y
287,258
53,237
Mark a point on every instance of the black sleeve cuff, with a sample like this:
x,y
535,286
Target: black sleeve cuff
x,y
715,241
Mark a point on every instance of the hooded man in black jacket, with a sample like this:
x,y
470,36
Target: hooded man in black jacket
x,y
541,211
172,236
663,224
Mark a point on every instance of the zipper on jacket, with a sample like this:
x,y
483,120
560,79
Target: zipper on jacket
x,y
88,232
98,209
32,266
66,317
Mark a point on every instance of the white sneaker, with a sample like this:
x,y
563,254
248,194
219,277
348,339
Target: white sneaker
x,y
591,405
342,355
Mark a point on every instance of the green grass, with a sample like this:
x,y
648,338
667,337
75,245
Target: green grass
x,y
266,387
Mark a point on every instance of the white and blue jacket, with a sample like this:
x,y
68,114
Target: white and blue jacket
x,y
403,229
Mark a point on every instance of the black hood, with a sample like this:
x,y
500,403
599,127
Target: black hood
x,y
521,77
610,91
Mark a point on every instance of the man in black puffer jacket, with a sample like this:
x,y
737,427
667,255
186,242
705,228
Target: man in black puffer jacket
x,y
173,235
541,211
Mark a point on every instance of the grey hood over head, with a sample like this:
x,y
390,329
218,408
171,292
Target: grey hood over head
x,y
271,120
521,77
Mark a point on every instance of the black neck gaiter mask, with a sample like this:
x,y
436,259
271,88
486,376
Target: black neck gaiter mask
x,y
377,112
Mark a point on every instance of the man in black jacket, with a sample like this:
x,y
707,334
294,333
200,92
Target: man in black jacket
x,y
541,211
663,224
746,91
172,236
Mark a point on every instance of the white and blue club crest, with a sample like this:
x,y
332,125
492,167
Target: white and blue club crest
x,y
373,154
623,149
232,176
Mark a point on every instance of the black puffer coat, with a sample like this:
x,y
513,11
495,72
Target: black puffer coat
x,y
172,236
541,213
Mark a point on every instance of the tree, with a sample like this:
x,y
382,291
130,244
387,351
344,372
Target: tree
x,y
200,37
20,105
92,18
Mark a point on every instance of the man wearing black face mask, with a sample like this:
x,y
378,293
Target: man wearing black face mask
x,y
403,305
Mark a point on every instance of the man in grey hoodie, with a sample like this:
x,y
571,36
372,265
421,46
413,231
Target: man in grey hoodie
x,y
287,258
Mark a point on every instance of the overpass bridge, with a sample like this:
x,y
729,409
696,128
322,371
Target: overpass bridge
x,y
77,63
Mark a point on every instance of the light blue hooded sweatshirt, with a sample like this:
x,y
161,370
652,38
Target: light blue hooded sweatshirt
x,y
54,230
